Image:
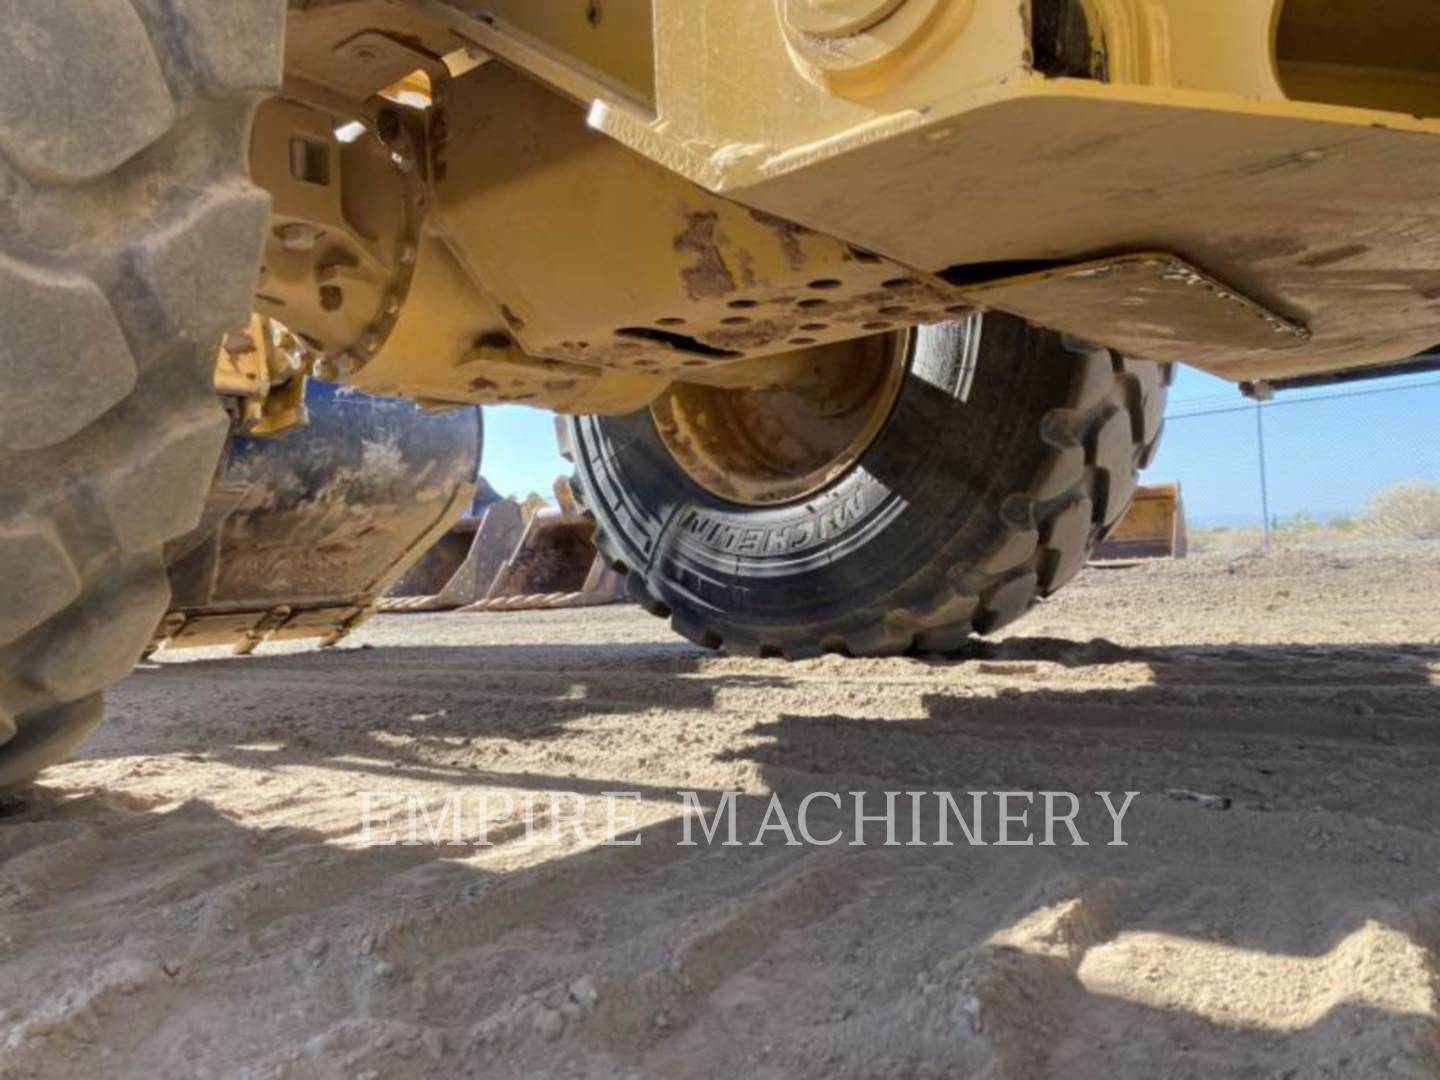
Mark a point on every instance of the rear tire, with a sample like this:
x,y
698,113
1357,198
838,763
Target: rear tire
x,y
129,243
1010,452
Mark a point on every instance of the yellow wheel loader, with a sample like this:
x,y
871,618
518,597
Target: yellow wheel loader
x,y
860,312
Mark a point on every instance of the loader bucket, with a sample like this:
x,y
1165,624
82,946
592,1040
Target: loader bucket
x,y
465,562
303,533
1153,527
508,556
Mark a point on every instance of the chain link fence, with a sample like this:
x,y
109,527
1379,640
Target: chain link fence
x,y
1323,468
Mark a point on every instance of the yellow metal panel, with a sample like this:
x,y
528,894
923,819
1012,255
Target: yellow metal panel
x,y
921,132
1153,527
1153,305
1320,212
1324,215
334,45
611,36
596,257
1216,45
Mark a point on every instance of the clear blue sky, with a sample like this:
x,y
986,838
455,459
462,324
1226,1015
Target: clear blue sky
x,y
1327,450
1323,456
520,452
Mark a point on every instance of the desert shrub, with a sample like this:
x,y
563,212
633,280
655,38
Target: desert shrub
x,y
1408,511
1224,540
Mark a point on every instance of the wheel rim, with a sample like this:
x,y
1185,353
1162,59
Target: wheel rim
x,y
795,436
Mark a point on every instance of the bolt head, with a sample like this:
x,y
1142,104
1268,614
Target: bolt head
x,y
298,236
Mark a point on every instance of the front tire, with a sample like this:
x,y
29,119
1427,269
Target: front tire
x,y
129,243
1007,455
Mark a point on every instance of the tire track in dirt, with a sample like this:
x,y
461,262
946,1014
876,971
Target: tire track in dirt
x,y
199,877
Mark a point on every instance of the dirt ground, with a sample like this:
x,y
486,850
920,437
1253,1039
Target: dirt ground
x,y
196,896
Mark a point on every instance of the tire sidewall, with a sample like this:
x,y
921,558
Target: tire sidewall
x,y
964,435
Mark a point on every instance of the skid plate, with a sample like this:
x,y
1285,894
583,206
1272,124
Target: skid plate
x,y
1154,306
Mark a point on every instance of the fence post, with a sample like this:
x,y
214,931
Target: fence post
x,y
1264,481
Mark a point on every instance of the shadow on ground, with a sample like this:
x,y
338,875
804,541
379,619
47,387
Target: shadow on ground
x,y
1254,919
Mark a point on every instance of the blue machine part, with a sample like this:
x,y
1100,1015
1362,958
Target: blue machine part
x,y
310,527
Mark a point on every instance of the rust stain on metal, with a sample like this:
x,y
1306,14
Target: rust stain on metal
x,y
747,269
788,233
708,277
755,336
239,342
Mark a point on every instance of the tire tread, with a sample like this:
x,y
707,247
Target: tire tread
x,y
1101,437
155,235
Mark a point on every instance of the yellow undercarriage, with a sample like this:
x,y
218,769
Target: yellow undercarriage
x,y
578,204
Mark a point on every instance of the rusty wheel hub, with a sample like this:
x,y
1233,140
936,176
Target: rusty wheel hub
x,y
784,442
